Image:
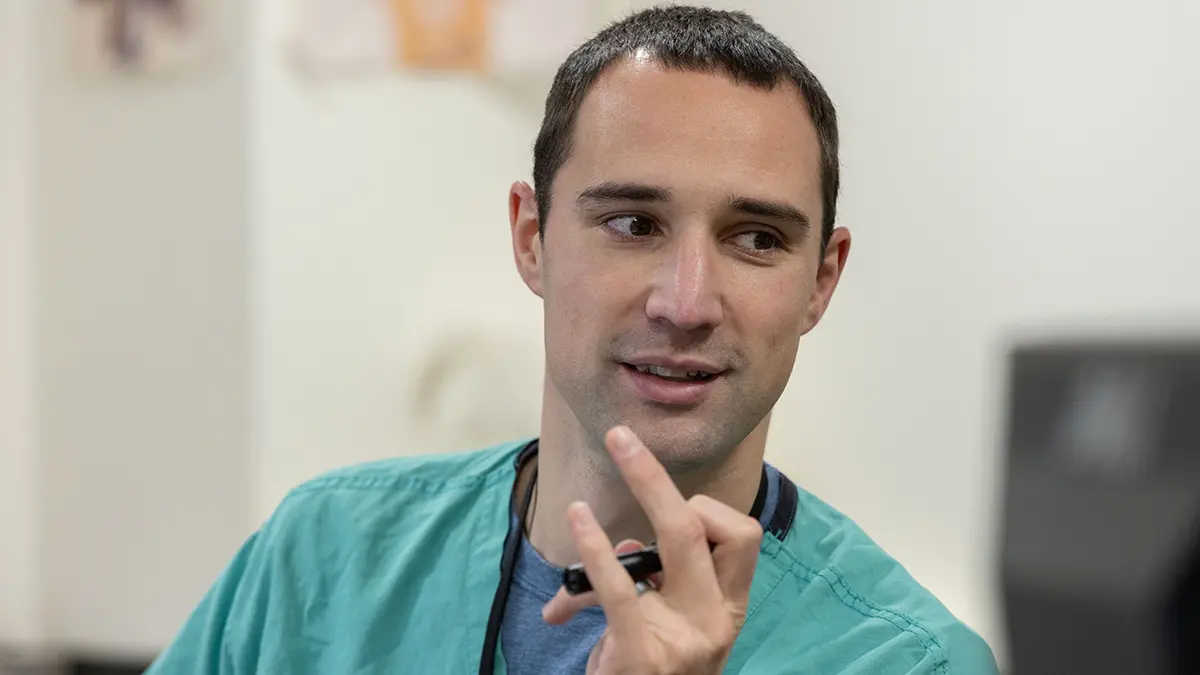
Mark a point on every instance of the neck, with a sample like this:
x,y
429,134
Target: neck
x,y
572,466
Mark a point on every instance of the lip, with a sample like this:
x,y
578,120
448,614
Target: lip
x,y
655,389
675,363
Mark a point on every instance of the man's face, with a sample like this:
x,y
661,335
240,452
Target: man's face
x,y
681,262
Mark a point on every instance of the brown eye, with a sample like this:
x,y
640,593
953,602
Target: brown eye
x,y
758,240
631,226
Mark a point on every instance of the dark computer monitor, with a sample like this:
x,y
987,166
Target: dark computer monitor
x,y
1100,555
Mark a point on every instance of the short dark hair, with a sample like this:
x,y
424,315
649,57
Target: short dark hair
x,y
686,38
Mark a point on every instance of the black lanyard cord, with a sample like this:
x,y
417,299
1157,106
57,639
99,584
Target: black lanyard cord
x,y
512,544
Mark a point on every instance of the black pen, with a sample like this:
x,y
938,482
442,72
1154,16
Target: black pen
x,y
641,565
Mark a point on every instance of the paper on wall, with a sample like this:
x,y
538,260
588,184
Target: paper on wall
x,y
537,35
332,36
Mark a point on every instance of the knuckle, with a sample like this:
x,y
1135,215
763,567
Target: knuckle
x,y
724,633
752,530
690,530
626,603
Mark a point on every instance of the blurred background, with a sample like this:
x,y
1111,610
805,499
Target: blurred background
x,y
244,242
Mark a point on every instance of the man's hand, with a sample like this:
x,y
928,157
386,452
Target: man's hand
x,y
689,624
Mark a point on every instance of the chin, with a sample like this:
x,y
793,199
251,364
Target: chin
x,y
684,445
683,440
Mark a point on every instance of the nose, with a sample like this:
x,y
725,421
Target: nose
x,y
686,291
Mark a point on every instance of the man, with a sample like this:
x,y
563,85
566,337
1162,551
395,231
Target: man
x,y
680,233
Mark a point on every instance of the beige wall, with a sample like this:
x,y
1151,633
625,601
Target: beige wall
x,y
19,604
141,268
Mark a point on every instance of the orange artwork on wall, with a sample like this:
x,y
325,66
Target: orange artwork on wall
x,y
442,34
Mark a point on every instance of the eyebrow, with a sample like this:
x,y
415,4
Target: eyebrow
x,y
622,192
780,211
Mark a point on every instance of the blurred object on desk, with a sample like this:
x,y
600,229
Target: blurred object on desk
x,y
16,663
1101,539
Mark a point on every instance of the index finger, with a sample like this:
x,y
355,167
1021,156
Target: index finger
x,y
681,533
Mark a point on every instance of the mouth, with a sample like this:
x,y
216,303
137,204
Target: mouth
x,y
680,386
673,374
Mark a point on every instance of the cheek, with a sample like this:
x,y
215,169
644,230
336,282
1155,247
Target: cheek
x,y
783,333
781,313
575,300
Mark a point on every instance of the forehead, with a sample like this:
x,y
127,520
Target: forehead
x,y
695,132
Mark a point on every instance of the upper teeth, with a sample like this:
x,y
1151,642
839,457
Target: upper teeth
x,y
667,372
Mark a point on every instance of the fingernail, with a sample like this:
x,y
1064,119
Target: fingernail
x,y
627,443
627,546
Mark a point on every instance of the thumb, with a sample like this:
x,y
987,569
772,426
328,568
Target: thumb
x,y
563,605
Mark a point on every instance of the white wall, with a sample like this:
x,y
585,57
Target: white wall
x,y
19,598
381,231
1024,167
141,193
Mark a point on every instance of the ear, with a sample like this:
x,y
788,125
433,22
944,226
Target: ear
x,y
829,272
526,240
